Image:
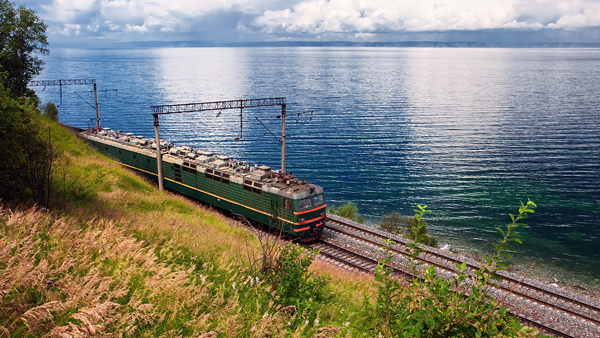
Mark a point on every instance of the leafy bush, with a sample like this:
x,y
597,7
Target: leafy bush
x,y
402,226
437,307
291,280
349,211
391,224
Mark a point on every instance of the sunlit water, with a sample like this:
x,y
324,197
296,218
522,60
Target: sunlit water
x,y
468,132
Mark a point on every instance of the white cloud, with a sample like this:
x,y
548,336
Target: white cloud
x,y
315,19
136,28
69,29
363,16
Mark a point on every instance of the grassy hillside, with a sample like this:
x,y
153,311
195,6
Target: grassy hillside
x,y
114,256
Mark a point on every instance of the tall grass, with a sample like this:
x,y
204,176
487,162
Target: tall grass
x,y
116,257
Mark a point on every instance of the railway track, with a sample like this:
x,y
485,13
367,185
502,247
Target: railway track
x,y
553,310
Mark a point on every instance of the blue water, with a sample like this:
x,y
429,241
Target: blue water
x,y
468,132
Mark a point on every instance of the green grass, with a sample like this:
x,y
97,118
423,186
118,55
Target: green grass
x,y
129,260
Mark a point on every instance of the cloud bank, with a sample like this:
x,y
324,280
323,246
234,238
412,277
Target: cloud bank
x,y
278,20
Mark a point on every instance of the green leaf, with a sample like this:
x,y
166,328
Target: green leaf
x,y
496,277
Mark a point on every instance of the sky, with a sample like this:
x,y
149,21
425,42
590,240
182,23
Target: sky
x,y
238,21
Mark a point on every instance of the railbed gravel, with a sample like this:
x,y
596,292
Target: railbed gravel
x,y
531,310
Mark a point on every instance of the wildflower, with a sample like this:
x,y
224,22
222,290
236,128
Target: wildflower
x,y
266,314
35,230
317,322
289,323
306,322
233,285
347,323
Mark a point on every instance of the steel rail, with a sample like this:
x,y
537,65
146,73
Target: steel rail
x,y
473,267
408,274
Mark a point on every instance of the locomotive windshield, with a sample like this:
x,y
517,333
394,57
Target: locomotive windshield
x,y
318,200
310,201
305,203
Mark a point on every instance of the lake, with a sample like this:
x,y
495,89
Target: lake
x,y
468,132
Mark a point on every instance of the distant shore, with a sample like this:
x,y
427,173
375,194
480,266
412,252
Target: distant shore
x,y
401,44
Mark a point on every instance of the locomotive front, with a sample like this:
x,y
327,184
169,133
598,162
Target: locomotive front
x,y
309,213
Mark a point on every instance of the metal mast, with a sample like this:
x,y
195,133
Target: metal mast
x,y
70,82
218,105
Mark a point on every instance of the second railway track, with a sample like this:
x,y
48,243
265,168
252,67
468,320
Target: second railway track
x,y
558,312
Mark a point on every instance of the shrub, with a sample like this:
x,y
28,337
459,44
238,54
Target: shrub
x,y
437,307
349,211
402,226
410,226
50,111
391,224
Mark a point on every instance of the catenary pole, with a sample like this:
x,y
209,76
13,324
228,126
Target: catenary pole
x,y
283,106
96,99
158,154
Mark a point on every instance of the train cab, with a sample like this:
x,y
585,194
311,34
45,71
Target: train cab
x,y
309,216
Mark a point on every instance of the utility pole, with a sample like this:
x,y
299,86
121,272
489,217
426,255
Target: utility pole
x,y
283,106
96,98
158,154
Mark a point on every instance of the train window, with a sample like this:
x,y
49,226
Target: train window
x,y
318,200
247,188
287,204
224,180
305,203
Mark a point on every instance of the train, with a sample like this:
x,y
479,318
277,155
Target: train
x,y
255,192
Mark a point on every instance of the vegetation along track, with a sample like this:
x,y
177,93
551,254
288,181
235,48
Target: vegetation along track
x,y
549,308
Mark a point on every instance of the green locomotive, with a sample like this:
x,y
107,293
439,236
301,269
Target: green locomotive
x,y
258,193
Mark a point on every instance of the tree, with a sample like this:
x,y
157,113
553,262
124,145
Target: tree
x,y
28,155
22,36
50,111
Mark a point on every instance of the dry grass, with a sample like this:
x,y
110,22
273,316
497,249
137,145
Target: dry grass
x,y
63,278
119,258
